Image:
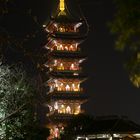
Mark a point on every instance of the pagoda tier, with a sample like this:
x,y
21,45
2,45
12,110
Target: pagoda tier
x,y
70,96
63,27
68,36
63,55
63,45
70,64
67,76
64,85
64,106
64,22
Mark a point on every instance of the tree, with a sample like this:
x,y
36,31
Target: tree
x,y
17,105
126,25
14,98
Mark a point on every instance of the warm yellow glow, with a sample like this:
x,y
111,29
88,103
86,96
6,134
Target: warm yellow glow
x,y
68,109
60,67
65,86
64,46
62,5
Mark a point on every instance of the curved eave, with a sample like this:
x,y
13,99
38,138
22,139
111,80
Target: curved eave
x,y
66,55
67,96
64,40
65,93
67,76
57,117
68,36
64,19
67,71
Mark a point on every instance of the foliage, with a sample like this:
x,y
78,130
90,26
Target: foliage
x,y
17,105
126,25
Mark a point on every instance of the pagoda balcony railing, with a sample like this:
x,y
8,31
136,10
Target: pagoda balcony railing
x,y
66,70
69,91
56,113
65,51
67,32
62,30
61,115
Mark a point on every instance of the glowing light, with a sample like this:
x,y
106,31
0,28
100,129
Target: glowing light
x,y
55,25
56,106
62,5
50,107
56,132
56,85
80,61
68,110
73,85
116,135
55,62
44,25
55,42
66,48
77,26
60,47
67,87
110,138
72,66
75,74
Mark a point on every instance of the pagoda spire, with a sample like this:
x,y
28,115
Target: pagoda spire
x,y
62,8
62,5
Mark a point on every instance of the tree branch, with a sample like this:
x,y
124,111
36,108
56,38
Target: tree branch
x,y
13,113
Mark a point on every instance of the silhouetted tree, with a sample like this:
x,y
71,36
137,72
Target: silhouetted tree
x,y
126,25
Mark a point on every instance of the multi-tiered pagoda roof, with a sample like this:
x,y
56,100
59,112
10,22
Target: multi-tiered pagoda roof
x,y
65,94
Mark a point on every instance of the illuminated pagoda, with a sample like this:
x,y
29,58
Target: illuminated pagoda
x,y
65,96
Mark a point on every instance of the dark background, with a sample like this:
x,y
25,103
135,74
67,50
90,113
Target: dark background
x,y
108,86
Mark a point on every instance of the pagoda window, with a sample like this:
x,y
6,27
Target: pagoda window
x,y
55,62
77,87
62,29
56,106
51,88
66,48
62,87
67,88
71,48
77,109
72,67
73,87
50,69
60,47
62,109
50,108
68,110
56,132
60,67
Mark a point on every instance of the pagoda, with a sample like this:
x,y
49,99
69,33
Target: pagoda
x,y
65,96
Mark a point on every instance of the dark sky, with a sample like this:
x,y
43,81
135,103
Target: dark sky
x,y
109,89
108,86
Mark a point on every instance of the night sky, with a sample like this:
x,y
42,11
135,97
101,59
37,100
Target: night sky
x,y
108,86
